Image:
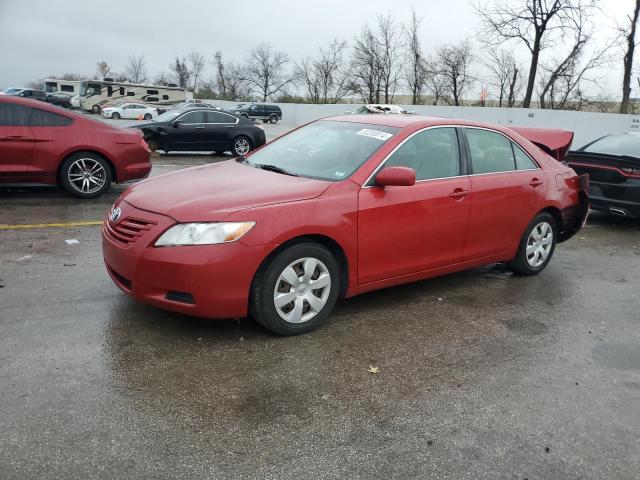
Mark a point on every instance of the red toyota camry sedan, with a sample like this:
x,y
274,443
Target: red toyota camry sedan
x,y
45,144
339,207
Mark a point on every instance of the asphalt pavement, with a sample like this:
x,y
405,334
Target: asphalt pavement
x,y
481,374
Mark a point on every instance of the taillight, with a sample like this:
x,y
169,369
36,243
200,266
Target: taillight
x,y
145,145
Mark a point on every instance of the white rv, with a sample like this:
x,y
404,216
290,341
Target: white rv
x,y
68,87
97,93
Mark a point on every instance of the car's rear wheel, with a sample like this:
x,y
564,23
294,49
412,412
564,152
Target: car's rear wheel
x,y
147,116
273,118
95,109
115,115
241,146
85,175
536,246
296,291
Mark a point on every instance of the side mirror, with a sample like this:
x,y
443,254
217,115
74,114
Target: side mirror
x,y
396,177
176,124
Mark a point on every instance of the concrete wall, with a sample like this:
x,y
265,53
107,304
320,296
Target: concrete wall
x,y
586,125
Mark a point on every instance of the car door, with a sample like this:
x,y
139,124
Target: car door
x,y
16,140
220,129
505,196
188,132
403,230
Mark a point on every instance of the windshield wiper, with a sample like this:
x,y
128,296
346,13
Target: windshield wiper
x,y
272,168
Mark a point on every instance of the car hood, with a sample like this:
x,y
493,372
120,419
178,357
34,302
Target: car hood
x,y
212,192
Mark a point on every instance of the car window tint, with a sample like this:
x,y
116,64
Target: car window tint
x,y
432,153
40,118
14,115
616,144
217,117
490,151
523,161
192,117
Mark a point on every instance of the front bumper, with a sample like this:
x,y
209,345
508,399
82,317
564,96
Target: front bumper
x,y
211,281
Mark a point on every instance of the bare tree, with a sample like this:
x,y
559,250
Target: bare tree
x,y
265,71
181,72
454,64
161,78
630,39
415,69
231,80
504,76
562,82
528,21
435,81
196,64
365,71
324,78
136,69
103,69
388,56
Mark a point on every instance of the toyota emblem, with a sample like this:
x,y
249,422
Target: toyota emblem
x,y
115,214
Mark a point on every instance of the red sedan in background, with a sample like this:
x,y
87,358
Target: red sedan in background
x,y
340,207
44,144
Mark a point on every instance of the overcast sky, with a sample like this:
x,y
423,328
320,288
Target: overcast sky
x,y
42,38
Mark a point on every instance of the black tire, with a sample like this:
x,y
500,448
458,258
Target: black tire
x,y
96,109
238,146
262,301
147,116
72,166
244,115
153,144
115,115
273,118
521,264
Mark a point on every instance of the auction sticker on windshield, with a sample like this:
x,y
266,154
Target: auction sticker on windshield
x,y
367,132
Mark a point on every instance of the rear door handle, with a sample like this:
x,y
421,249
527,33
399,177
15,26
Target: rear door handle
x,y
459,193
536,182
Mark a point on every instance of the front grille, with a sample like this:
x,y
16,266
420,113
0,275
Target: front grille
x,y
129,230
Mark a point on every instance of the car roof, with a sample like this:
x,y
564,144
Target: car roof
x,y
400,121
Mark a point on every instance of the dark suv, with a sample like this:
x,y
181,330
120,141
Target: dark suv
x,y
260,111
30,93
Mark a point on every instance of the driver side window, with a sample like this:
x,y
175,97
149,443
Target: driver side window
x,y
432,153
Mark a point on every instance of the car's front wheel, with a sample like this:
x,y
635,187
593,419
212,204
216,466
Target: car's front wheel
x,y
95,109
240,146
297,290
115,115
85,175
273,118
536,246
147,116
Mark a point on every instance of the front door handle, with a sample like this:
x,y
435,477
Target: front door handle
x,y
536,182
459,193
200,128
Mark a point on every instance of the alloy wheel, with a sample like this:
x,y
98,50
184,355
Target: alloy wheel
x,y
539,244
302,290
242,146
87,175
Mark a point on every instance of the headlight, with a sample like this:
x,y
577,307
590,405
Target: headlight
x,y
203,233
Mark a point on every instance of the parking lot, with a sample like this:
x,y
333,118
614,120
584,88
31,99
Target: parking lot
x,y
481,374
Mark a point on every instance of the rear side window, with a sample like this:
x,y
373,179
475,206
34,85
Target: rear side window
x,y
14,115
192,117
217,117
40,118
523,161
66,88
432,153
490,151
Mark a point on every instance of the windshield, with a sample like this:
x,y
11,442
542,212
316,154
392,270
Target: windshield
x,y
326,150
168,115
617,144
